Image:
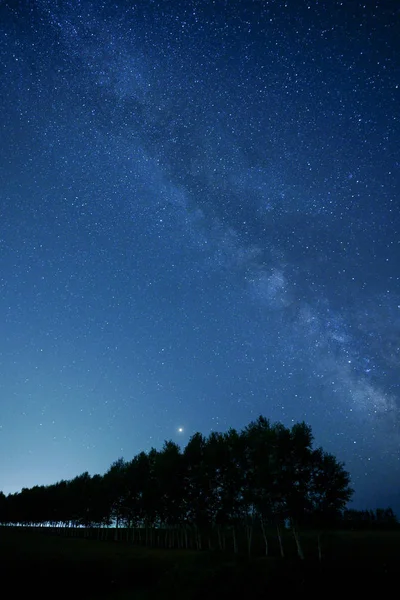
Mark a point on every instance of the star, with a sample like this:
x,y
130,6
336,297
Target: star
x,y
196,239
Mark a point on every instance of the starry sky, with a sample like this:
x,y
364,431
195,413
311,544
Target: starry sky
x,y
199,224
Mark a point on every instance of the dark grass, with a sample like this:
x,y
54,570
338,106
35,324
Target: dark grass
x,y
36,564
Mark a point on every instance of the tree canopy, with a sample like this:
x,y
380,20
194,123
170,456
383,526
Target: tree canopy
x,y
266,473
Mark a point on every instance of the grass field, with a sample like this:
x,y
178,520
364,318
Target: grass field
x,y
56,567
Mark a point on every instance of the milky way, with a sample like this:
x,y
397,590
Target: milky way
x,y
199,224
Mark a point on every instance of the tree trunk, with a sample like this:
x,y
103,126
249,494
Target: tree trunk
x,y
235,546
319,547
278,529
198,538
116,529
180,537
298,544
219,537
264,536
249,535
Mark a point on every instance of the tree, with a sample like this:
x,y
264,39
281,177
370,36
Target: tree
x,y
169,473
329,492
3,509
330,488
226,451
198,486
262,476
116,492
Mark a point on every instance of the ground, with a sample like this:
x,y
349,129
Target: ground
x,y
57,567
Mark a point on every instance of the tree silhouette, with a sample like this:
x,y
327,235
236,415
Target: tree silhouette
x,y
220,491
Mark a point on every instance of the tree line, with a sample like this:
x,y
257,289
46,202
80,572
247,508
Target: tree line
x,y
218,490
381,518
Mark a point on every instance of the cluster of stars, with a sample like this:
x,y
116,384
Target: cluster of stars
x,y
198,225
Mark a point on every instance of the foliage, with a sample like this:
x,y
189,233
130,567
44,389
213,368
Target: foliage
x,y
381,518
267,474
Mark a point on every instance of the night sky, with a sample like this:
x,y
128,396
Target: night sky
x,y
199,224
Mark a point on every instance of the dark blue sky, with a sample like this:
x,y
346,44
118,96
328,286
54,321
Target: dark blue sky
x,y
199,223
